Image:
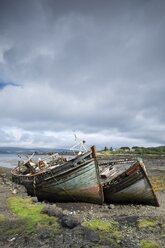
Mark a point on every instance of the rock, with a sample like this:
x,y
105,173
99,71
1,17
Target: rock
x,y
12,239
66,212
3,174
44,235
106,243
111,206
14,191
89,216
69,221
91,235
52,211
105,206
34,199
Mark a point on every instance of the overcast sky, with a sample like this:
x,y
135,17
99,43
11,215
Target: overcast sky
x,y
90,67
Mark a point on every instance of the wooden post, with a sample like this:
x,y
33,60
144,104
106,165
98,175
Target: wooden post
x,y
93,148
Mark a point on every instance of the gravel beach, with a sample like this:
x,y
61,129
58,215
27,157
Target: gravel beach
x,y
134,225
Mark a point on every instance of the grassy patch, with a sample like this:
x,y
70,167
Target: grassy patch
x,y
2,217
101,225
148,151
108,230
143,223
31,214
163,226
149,244
158,182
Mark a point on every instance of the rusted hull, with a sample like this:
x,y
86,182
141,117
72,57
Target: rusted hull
x,y
69,182
132,186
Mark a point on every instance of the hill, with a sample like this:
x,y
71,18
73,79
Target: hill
x,y
20,150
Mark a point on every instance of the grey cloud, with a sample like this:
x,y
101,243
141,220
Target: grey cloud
x,y
88,65
6,84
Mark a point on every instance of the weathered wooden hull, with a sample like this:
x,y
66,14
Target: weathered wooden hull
x,y
131,186
76,180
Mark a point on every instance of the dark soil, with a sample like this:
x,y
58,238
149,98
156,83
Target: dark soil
x,y
71,215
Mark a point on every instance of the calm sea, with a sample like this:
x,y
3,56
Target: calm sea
x,y
8,160
11,160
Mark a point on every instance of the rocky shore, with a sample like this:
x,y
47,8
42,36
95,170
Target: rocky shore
x,y
82,224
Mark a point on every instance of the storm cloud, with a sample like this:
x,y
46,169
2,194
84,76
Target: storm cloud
x,y
95,68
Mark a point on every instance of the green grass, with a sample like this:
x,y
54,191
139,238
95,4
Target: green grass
x,y
31,214
109,153
108,230
101,225
2,218
158,182
149,244
147,151
143,223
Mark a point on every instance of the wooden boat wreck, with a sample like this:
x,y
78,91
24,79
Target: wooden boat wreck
x,y
126,181
63,181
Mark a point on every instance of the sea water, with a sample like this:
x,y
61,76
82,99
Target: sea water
x,y
8,160
11,160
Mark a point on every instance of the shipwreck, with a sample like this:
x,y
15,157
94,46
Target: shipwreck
x,y
85,178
